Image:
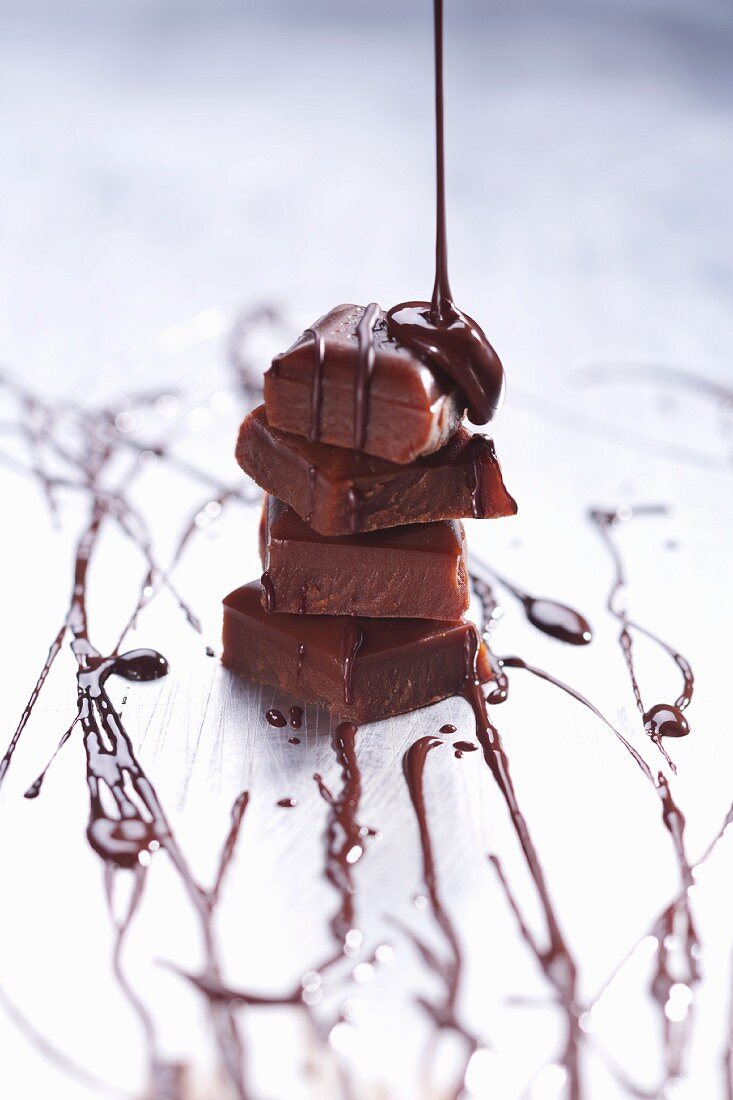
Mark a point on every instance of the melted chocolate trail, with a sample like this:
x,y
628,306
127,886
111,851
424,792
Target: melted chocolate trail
x,y
127,824
319,352
548,616
489,615
676,956
276,718
449,971
438,330
662,719
344,836
268,590
557,961
365,366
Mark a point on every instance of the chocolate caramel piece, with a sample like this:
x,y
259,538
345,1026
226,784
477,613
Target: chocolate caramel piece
x,y
340,492
361,668
346,382
418,571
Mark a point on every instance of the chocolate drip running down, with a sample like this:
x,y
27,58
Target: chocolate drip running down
x,y
365,366
439,331
316,383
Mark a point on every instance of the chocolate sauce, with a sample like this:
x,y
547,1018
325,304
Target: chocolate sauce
x,y
365,367
288,803
296,717
463,746
316,384
661,719
549,616
268,591
353,501
483,449
489,614
127,824
344,836
276,718
293,740
556,960
448,728
438,330
449,971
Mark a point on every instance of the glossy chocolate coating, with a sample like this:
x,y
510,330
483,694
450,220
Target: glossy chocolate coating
x,y
418,571
361,668
346,382
340,492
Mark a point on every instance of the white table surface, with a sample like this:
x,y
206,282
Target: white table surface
x,y
156,178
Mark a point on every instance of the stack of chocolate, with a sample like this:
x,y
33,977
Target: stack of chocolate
x,y
368,470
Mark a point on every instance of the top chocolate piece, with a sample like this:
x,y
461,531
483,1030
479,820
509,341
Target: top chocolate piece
x,y
345,381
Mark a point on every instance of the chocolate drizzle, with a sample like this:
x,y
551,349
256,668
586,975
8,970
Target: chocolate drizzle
x,y
677,948
449,971
438,330
365,366
316,383
662,719
559,621
555,958
344,835
268,591
127,824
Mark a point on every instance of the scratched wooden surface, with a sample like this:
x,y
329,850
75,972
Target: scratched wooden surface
x,y
158,180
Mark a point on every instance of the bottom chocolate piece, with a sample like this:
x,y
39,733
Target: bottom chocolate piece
x,y
362,669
